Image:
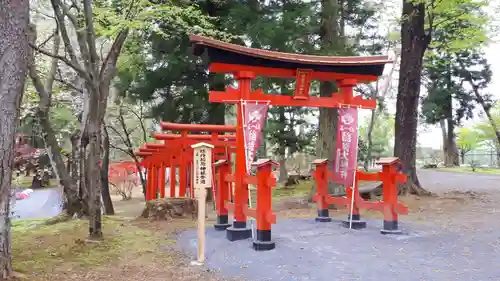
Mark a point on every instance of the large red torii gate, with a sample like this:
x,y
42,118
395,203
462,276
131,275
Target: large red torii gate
x,y
246,64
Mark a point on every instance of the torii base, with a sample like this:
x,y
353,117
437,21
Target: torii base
x,y
239,231
263,245
391,228
356,223
222,223
323,216
263,241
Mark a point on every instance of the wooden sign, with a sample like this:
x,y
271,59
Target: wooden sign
x,y
202,165
303,83
202,179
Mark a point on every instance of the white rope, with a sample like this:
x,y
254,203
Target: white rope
x,y
354,172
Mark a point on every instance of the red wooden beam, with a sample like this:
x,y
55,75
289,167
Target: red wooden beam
x,y
287,73
162,136
145,149
197,127
337,100
155,145
143,154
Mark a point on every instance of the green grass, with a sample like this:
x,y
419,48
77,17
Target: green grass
x,y
25,182
39,249
491,171
303,188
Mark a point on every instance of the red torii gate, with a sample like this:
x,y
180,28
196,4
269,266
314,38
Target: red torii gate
x,y
246,64
176,152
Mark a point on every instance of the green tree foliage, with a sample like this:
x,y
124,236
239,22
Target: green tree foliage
x,y
160,68
421,20
461,30
485,132
468,139
383,133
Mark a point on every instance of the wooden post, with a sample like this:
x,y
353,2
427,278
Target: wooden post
x,y
173,180
240,230
183,167
161,183
149,182
264,214
354,217
390,177
222,194
321,177
202,179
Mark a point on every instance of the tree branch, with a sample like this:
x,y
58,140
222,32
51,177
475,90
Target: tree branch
x,y
49,83
144,132
68,84
121,149
69,63
56,5
89,22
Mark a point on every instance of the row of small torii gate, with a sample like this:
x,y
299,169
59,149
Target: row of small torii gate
x,y
230,185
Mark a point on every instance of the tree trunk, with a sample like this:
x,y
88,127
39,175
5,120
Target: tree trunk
x,y
452,153
369,138
414,42
71,200
331,43
106,197
14,18
444,134
92,167
328,119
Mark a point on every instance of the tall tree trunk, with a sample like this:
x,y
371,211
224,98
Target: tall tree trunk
x,y
331,43
14,18
414,42
452,153
444,134
71,200
92,165
106,197
216,111
369,138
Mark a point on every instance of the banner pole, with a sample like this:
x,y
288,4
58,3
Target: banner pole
x,y
355,170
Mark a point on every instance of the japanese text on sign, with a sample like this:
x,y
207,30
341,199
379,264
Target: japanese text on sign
x,y
202,166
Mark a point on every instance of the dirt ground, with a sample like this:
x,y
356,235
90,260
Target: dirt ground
x,y
136,249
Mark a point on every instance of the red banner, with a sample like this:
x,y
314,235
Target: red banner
x,y
346,149
254,116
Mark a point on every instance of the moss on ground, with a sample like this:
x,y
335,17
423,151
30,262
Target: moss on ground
x,y
39,249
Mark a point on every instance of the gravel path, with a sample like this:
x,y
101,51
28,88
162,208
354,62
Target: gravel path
x,y
439,182
307,250
41,203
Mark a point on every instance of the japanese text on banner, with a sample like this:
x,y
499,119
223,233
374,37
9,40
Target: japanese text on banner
x,y
254,117
346,150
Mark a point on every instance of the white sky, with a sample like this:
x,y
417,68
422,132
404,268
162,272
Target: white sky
x,y
433,137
